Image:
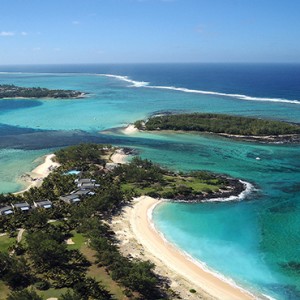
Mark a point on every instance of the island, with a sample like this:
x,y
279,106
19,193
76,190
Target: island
x,y
12,91
245,128
59,239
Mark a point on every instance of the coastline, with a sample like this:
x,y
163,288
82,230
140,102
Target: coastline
x,y
81,96
139,238
119,157
130,129
36,176
263,139
135,225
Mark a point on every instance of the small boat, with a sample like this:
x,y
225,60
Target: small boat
x,y
257,158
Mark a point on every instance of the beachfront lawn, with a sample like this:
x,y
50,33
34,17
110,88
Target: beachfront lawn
x,y
4,290
78,240
6,242
173,184
51,293
199,186
100,274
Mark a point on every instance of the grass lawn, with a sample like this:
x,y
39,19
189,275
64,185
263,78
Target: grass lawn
x,y
78,240
172,183
199,186
6,242
101,275
55,293
4,290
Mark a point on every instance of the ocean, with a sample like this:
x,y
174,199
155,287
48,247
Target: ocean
x,y
253,241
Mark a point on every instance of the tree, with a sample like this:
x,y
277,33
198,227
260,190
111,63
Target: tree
x,y
24,295
45,251
70,296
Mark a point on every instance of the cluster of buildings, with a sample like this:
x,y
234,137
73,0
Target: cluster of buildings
x,y
85,187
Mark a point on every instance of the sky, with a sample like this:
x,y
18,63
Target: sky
x,y
145,31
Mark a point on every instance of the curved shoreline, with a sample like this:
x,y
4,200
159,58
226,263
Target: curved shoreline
x,y
36,176
176,265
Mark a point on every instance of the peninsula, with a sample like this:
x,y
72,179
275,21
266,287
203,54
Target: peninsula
x,y
238,127
69,249
12,91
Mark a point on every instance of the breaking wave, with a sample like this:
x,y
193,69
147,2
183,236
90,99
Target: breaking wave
x,y
145,84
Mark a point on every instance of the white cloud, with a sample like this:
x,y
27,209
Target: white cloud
x,y
6,33
37,49
56,49
24,33
75,22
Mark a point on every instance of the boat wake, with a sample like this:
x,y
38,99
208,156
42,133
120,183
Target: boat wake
x,y
145,84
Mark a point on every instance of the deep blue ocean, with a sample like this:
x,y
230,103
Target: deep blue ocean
x,y
254,241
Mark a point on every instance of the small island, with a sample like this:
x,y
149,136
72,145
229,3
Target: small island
x,y
12,91
252,129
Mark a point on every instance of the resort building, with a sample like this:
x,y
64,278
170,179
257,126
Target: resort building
x,y
75,196
23,206
7,210
43,204
70,199
86,183
84,180
85,192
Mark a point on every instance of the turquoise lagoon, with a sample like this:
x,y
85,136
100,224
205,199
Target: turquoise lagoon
x,y
254,241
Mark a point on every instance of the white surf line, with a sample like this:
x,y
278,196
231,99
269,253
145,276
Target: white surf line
x,y
186,90
127,79
145,84
248,190
201,264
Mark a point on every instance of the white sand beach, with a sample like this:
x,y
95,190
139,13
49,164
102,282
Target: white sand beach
x,y
130,129
119,157
36,176
139,238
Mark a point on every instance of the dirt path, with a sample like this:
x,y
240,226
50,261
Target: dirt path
x,y
20,235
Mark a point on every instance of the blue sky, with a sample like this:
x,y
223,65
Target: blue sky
x,y
125,31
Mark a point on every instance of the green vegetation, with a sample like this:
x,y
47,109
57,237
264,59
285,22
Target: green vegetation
x,y
6,242
45,264
92,267
219,123
142,177
12,91
24,295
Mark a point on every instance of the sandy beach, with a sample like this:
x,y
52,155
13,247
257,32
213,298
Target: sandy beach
x,y
119,157
139,238
36,176
130,129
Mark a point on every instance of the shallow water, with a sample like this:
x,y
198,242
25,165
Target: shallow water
x,y
254,241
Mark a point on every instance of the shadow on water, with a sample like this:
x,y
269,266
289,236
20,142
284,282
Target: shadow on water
x,y
14,137
7,105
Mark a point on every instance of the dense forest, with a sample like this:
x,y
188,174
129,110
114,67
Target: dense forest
x,y
12,91
219,123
